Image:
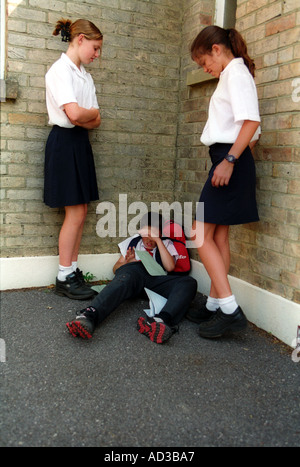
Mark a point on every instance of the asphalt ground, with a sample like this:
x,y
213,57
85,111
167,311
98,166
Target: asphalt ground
x,y
121,390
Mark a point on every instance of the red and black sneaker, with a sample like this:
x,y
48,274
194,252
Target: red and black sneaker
x,y
81,327
156,330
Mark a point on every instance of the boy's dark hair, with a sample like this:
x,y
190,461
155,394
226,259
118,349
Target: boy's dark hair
x,y
152,219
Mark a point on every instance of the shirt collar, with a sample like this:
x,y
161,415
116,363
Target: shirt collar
x,y
66,59
233,62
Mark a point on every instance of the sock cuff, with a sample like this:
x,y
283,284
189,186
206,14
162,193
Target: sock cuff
x,y
212,300
226,300
63,272
212,304
228,304
64,268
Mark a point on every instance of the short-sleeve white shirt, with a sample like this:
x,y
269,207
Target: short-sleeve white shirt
x,y
65,83
123,246
234,101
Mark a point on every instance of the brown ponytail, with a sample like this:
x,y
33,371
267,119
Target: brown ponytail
x,y
70,30
239,49
230,38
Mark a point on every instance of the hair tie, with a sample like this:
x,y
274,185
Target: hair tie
x,y
65,33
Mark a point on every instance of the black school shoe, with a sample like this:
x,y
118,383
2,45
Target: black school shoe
x,y
156,331
73,288
200,314
81,279
81,326
221,323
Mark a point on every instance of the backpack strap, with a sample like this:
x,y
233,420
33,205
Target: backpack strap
x,y
157,258
183,266
134,241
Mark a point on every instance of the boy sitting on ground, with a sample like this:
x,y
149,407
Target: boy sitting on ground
x,y
131,278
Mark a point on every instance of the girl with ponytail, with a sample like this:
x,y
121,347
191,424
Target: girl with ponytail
x,y
228,195
70,177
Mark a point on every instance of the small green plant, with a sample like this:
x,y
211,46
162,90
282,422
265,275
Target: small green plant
x,y
89,276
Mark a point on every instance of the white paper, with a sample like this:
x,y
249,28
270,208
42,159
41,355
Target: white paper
x,y
156,303
152,267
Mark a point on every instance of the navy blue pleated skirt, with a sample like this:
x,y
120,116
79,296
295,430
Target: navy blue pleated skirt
x,y
70,176
235,203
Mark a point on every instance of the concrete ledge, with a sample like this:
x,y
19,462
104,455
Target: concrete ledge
x,y
266,310
41,271
197,77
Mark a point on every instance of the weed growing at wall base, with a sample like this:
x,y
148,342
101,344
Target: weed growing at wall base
x,y
124,220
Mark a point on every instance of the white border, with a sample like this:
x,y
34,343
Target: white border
x,y
266,310
2,38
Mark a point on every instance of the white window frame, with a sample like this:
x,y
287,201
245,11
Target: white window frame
x,y
219,12
221,8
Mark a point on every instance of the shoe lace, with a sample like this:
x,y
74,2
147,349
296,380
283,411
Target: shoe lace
x,y
79,275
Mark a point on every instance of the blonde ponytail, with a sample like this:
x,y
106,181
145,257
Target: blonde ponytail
x,y
70,30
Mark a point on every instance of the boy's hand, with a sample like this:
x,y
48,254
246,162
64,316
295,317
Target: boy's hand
x,y
130,255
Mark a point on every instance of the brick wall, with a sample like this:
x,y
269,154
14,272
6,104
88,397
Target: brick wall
x,y
148,144
137,85
266,254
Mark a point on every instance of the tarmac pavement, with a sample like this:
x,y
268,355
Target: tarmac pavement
x,y
121,390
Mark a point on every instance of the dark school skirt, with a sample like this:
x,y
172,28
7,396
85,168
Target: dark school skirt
x,y
70,176
235,203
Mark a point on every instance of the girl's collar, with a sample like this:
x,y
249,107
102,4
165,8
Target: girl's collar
x,y
232,62
65,57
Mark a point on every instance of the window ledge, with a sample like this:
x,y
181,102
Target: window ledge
x,y
197,77
8,90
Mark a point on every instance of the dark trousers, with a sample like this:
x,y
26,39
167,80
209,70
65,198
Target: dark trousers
x,y
129,282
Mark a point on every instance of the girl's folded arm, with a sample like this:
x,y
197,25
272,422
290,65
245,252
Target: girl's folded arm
x,y
80,115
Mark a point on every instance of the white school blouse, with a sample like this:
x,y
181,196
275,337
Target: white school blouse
x,y
234,101
65,83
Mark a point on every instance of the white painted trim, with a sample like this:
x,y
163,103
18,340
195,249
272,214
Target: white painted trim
x,y
2,38
266,310
41,271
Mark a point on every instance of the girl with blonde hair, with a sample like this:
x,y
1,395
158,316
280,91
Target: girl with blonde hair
x,y
70,176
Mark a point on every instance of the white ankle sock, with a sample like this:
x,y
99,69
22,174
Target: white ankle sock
x,y
63,271
74,265
228,305
212,304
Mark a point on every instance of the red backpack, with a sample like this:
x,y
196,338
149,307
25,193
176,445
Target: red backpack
x,y
174,232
